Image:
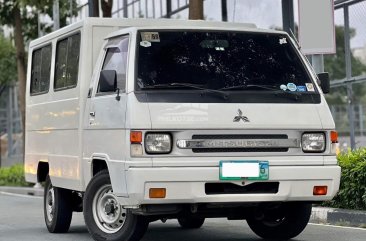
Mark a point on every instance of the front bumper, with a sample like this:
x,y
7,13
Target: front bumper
x,y
187,185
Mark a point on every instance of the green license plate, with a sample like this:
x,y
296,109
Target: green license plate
x,y
248,170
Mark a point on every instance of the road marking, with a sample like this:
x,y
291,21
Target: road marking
x,y
335,226
19,195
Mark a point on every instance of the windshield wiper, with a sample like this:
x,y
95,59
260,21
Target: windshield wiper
x,y
243,87
289,94
192,86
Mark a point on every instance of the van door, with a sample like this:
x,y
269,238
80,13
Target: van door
x,y
106,107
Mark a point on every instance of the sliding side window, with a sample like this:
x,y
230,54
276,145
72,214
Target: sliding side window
x,y
41,69
67,62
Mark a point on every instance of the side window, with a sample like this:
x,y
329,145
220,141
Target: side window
x,y
67,62
116,59
41,69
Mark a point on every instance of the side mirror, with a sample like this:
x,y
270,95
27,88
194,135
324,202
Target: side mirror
x,y
108,81
324,82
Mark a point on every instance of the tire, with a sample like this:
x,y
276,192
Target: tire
x,y
57,208
280,222
105,219
190,222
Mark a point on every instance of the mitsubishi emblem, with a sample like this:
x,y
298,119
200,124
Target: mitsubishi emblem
x,y
240,117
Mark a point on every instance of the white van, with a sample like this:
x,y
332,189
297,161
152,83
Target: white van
x,y
132,121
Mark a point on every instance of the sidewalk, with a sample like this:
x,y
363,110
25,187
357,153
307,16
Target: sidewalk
x,y
23,190
336,216
333,216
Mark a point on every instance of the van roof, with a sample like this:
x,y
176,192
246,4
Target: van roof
x,y
142,23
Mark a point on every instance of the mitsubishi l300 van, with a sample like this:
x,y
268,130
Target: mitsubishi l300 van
x,y
131,121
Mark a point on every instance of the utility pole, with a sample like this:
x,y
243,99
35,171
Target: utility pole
x,y
56,15
93,8
168,8
351,115
224,10
196,9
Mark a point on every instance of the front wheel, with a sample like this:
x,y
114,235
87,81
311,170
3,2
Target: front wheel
x,y
57,208
280,222
105,218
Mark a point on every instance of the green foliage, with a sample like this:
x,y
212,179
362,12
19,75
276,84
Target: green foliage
x,y
336,63
29,11
8,67
13,176
352,193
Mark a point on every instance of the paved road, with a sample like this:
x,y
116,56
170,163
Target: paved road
x,y
21,219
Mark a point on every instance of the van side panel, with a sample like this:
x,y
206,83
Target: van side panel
x,y
52,129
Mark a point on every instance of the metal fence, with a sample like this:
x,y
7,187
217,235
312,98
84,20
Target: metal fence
x,y
350,117
137,8
11,141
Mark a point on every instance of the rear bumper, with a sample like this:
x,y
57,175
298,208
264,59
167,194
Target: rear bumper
x,y
187,185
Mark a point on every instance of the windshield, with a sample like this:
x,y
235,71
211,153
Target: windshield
x,y
219,60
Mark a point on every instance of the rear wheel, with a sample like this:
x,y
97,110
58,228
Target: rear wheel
x,y
104,216
281,221
190,222
57,208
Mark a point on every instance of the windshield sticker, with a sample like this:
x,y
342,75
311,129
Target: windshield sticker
x,y
283,41
283,87
150,36
219,48
291,86
310,87
301,88
145,44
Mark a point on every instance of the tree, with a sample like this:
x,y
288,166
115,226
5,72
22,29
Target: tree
x,y
196,9
107,8
7,61
336,64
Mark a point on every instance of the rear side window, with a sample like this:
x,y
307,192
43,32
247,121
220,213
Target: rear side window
x,y
41,69
67,62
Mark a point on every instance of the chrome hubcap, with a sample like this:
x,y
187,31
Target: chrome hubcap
x,y
50,204
107,212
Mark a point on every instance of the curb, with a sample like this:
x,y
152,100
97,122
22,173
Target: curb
x,y
340,217
31,191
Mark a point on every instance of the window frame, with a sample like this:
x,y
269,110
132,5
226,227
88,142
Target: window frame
x,y
106,48
50,74
54,72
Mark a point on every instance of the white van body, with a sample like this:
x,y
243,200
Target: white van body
x,y
71,133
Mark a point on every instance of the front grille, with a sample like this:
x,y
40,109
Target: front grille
x,y
230,188
239,137
231,137
206,150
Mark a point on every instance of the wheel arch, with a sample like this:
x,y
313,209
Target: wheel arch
x,y
116,171
42,171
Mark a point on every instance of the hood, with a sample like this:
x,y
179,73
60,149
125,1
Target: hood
x,y
234,116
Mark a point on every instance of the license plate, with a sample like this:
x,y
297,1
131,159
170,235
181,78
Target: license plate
x,y
249,170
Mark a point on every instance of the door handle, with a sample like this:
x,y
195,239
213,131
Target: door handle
x,y
92,114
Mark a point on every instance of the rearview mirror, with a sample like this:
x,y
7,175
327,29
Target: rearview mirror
x,y
324,82
107,81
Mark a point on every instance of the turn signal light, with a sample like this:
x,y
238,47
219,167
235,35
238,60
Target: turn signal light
x,y
334,137
320,190
157,192
136,136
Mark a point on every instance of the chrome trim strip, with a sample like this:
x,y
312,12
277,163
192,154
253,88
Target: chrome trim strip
x,y
238,143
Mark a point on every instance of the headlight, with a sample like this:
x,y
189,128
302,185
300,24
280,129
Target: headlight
x,y
158,143
313,142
